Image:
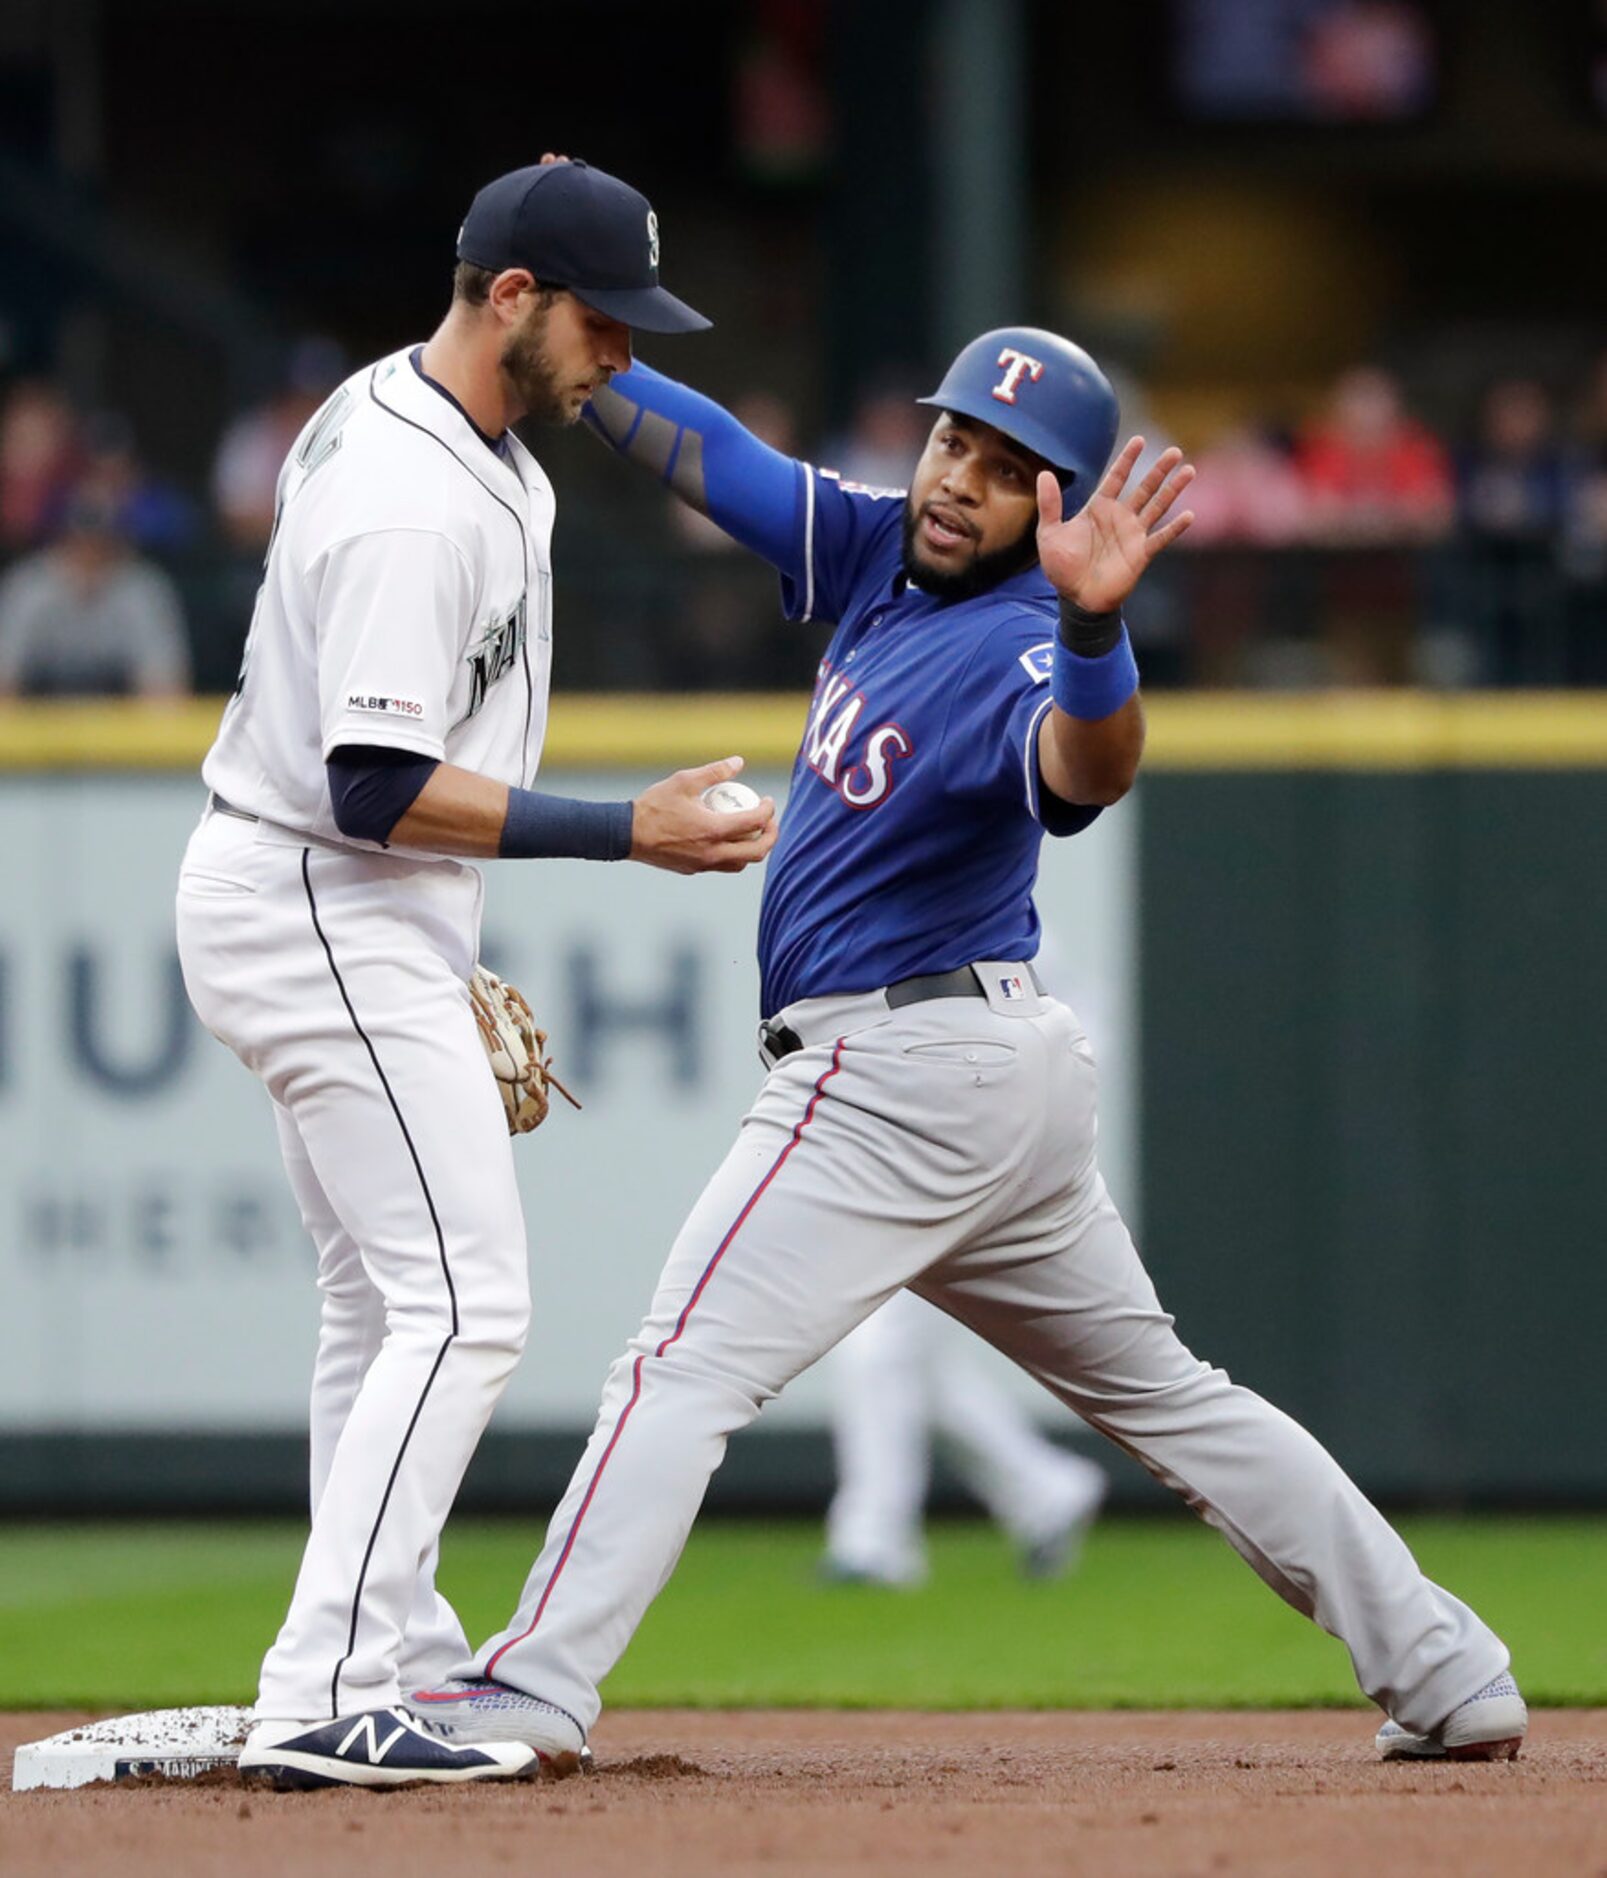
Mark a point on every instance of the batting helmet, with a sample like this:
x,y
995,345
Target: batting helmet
x,y
1042,392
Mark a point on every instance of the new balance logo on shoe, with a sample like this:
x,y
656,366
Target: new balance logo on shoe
x,y
382,1747
366,1728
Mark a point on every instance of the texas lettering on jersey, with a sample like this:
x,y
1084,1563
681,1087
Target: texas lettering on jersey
x,y
833,723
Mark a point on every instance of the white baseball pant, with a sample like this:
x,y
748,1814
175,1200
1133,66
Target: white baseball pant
x,y
340,978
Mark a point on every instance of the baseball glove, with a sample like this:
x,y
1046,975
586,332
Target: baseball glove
x,y
517,1049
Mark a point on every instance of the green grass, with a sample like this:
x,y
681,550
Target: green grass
x,y
1160,1615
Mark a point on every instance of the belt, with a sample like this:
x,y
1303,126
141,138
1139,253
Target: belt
x,y
219,806
780,1039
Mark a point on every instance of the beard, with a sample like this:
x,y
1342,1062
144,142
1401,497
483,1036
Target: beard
x,y
529,372
984,571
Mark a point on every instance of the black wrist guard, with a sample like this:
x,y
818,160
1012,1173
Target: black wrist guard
x,y
1089,635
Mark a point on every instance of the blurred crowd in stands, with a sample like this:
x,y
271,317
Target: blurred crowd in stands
x,y
1362,546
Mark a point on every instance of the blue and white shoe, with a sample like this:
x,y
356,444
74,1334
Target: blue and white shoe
x,y
473,1711
1489,1726
378,1747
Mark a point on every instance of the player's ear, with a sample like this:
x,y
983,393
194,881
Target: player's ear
x,y
507,291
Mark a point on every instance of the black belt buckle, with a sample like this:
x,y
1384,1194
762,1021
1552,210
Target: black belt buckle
x,y
778,1039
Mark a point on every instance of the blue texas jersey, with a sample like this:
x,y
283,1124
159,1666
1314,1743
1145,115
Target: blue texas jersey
x,y
910,838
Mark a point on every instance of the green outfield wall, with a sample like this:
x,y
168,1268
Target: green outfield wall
x,y
1375,1164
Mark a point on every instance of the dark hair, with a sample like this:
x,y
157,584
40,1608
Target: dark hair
x,y
472,285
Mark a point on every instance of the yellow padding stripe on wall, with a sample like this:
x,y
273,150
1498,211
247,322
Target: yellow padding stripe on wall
x,y
1357,730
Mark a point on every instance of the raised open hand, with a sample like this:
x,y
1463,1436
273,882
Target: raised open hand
x,y
1095,557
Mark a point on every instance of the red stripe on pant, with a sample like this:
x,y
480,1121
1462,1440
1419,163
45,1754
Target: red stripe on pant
x,y
680,1325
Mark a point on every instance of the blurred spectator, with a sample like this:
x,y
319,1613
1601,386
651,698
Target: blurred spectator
x,y
885,437
39,460
1374,475
1511,485
1375,479
1248,496
1247,492
781,102
86,616
245,473
155,516
1511,504
1370,59
1585,538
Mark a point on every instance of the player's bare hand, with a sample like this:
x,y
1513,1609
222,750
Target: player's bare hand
x,y
673,828
1096,557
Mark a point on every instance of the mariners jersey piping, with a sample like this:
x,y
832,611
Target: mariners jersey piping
x,y
518,522
494,444
463,463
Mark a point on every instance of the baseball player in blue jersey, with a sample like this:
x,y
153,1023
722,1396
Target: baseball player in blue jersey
x,y
928,1116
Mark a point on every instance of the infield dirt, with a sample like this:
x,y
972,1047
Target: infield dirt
x,y
812,1792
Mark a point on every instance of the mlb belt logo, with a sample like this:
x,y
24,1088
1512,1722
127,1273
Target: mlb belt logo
x,y
1012,988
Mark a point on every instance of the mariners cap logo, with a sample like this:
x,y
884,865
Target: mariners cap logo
x,y
652,238
1017,366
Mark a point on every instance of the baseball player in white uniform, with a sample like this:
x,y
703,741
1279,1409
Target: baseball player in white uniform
x,y
386,730
902,1378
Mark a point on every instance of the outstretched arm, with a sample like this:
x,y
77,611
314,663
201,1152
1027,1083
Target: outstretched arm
x,y
1091,742
698,449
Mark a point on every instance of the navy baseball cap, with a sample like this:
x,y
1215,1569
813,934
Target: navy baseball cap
x,y
579,228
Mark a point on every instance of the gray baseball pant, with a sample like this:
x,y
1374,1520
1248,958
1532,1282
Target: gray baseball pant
x,y
950,1146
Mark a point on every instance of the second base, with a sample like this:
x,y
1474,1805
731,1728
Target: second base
x,y
177,1742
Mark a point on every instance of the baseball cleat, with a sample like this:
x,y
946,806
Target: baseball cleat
x,y
1489,1726
1057,1552
379,1747
840,1571
472,1712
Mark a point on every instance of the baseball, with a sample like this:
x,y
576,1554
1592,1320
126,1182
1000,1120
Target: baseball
x,y
730,798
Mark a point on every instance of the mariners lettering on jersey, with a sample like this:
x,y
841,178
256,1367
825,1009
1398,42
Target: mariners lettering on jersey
x,y
322,439
495,654
836,716
1018,365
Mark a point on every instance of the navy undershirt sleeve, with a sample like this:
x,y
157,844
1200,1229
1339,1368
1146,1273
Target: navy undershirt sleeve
x,y
371,787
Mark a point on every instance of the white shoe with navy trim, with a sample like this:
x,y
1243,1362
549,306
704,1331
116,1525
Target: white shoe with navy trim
x,y
378,1747
1488,1726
